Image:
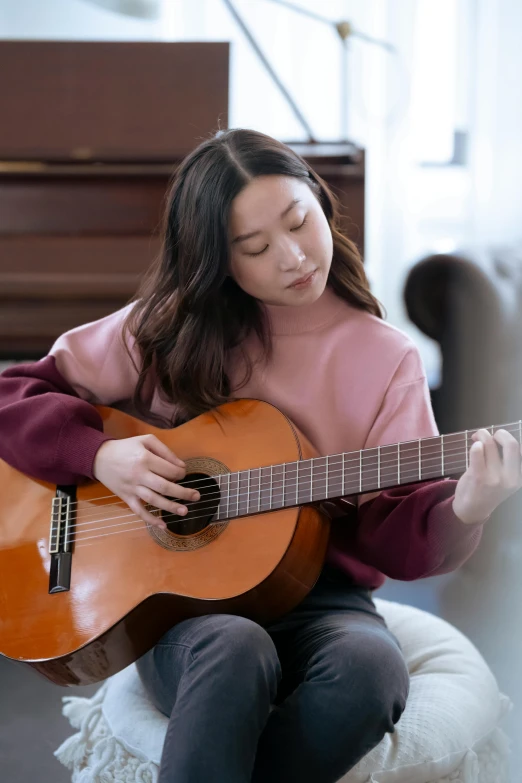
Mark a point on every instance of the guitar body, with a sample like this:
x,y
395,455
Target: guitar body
x,y
127,586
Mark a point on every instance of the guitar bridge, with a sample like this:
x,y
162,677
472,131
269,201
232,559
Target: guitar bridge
x,y
61,539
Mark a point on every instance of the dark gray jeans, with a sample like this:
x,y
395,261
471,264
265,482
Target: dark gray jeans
x,y
332,668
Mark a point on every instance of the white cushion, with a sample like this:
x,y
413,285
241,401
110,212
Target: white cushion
x,y
448,732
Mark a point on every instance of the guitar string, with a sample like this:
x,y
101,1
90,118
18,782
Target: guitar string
x,y
274,486
385,462
404,456
143,526
164,515
264,484
517,426
233,499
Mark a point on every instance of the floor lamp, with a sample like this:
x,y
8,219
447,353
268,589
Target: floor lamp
x,y
151,9
345,31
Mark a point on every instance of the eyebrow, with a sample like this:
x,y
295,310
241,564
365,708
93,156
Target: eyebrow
x,y
285,212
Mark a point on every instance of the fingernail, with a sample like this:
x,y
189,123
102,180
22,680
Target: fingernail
x,y
197,496
182,510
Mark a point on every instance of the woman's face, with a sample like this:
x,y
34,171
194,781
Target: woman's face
x,y
278,235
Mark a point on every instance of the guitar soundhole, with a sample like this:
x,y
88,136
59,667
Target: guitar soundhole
x,y
200,513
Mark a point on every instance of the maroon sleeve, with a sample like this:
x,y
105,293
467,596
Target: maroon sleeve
x,y
410,532
46,430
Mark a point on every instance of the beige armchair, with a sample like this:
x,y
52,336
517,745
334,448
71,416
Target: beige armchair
x,y
471,304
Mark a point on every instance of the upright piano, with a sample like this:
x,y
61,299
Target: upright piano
x,y
90,135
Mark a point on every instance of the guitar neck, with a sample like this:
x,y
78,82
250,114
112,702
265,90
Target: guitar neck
x,y
290,484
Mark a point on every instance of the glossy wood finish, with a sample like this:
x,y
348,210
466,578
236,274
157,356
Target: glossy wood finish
x,y
126,589
110,101
75,239
82,191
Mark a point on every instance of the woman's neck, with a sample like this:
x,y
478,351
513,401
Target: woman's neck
x,y
294,319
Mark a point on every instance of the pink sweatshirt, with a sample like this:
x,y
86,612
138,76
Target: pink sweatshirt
x,y
347,379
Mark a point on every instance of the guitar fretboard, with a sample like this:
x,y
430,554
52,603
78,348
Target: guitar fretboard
x,y
258,490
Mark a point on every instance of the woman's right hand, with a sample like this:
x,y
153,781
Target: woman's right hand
x,y
143,470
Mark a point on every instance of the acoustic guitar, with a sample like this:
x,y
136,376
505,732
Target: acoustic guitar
x,y
86,587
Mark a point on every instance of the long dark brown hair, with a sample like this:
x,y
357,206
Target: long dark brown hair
x,y
189,312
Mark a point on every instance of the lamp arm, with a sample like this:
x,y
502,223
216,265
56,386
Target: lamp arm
x,y
273,75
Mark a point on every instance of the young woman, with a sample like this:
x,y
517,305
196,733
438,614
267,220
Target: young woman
x,y
258,294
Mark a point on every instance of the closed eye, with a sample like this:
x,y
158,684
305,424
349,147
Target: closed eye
x,y
296,228
258,254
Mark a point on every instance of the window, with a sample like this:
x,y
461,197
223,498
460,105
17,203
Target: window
x,y
440,94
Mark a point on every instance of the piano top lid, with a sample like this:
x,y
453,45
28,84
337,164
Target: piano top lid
x,y
110,101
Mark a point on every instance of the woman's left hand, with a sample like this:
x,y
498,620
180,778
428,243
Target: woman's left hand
x,y
492,476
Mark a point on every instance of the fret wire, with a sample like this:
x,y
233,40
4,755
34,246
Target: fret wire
x,y
218,482
311,480
271,485
284,474
259,491
442,453
228,494
248,491
379,467
399,462
467,451
326,476
360,471
238,491
520,432
342,480
297,483
420,461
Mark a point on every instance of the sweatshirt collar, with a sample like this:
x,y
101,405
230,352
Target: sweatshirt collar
x,y
289,319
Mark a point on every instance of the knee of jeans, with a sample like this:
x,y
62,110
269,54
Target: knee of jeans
x,y
375,672
242,636
241,641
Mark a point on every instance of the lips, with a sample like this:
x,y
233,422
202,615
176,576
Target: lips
x,y
302,279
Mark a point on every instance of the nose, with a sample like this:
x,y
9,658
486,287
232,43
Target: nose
x,y
291,257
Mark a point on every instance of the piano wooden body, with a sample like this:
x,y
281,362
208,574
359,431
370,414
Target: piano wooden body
x,y
91,134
